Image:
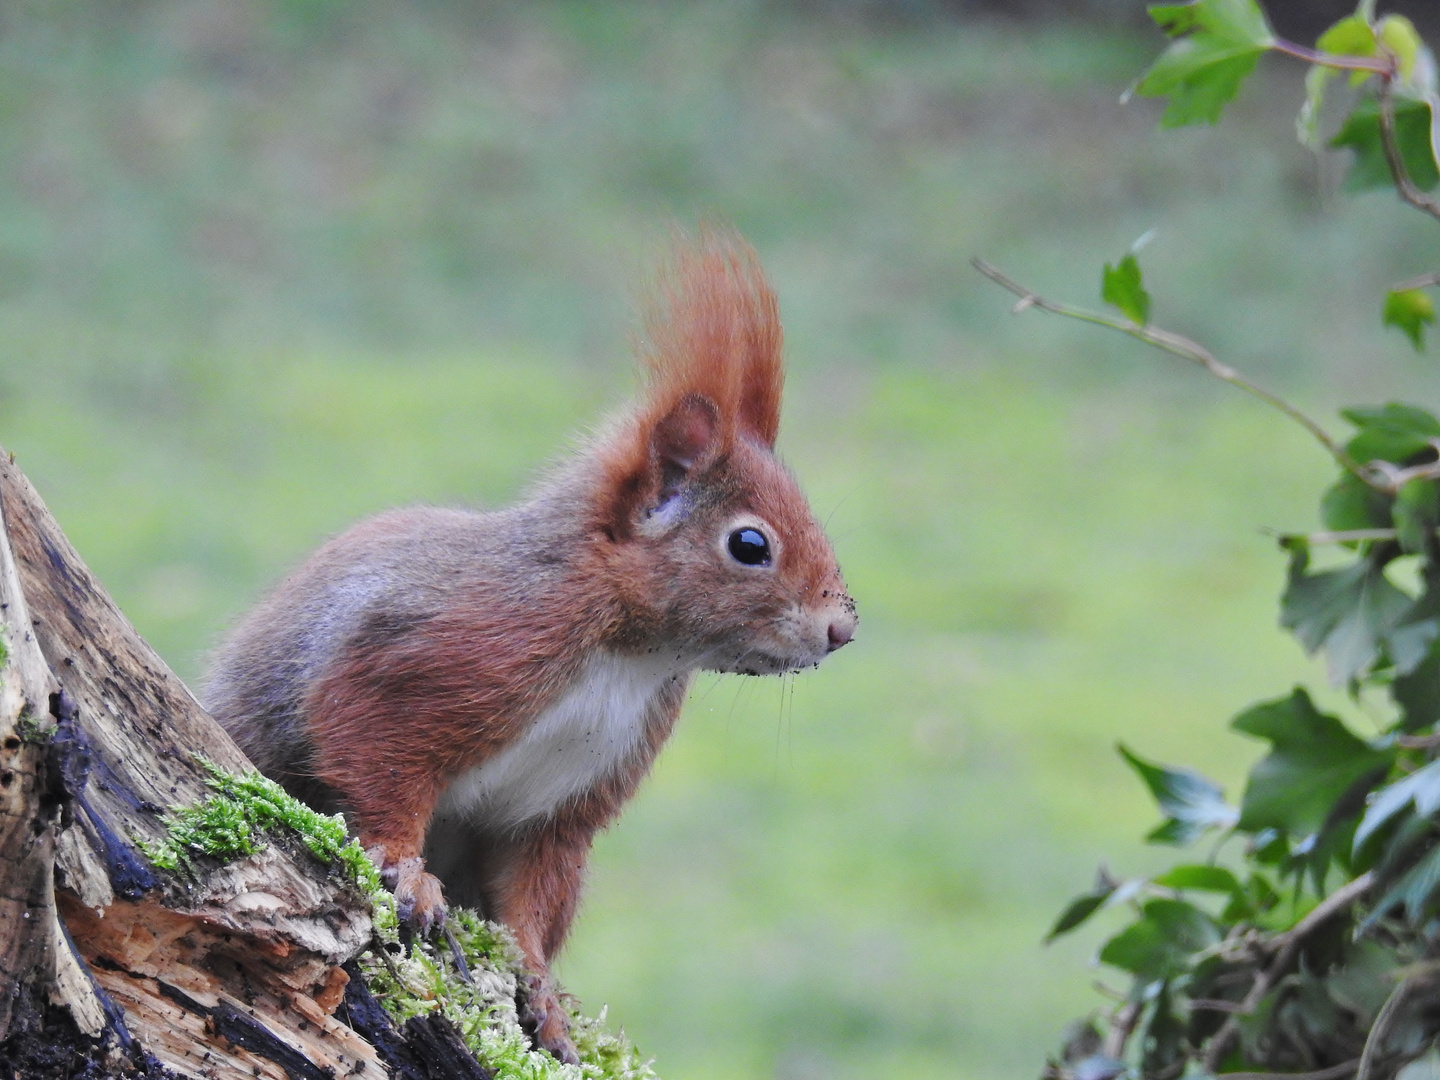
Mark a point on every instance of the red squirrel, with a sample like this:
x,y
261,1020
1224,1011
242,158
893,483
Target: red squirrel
x,y
481,692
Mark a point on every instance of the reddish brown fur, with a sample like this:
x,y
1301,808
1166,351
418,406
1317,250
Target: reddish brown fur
x,y
424,644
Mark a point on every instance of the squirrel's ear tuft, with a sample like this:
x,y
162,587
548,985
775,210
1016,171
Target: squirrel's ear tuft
x,y
714,331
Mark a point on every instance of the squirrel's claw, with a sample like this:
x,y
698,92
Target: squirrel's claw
x,y
419,899
546,1021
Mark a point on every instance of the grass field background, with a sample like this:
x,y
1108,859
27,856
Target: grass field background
x,y
268,266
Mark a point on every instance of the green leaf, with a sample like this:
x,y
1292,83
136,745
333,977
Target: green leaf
x,y
1409,310
1353,504
1349,613
1191,803
1411,646
1391,432
1397,34
1417,693
1364,981
1216,879
1416,513
1123,286
1420,789
1351,36
1259,896
1162,943
1077,911
1410,643
1162,1047
1219,43
1200,877
1314,760
1414,890
1361,133
1085,905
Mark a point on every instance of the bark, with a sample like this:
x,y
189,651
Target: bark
x,y
106,962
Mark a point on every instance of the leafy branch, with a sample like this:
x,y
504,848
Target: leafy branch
x,y
1310,954
1183,347
1286,946
1395,158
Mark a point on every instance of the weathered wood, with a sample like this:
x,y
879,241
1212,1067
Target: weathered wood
x,y
232,974
34,950
108,966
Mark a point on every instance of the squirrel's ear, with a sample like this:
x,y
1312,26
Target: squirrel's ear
x,y
682,439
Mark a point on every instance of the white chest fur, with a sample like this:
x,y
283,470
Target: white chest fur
x,y
595,728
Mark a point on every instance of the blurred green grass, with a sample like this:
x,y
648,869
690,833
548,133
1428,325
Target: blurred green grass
x,y
266,267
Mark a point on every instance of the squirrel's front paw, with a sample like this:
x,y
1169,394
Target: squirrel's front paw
x,y
419,900
546,1020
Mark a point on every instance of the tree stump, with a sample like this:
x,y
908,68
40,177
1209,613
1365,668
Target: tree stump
x,y
108,965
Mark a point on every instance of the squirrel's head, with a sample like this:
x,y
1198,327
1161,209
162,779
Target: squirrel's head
x,y
714,549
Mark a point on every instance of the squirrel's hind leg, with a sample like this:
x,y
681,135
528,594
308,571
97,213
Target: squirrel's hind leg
x,y
536,886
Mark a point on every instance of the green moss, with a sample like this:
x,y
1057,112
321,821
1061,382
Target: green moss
x,y
425,980
235,821
238,819
33,729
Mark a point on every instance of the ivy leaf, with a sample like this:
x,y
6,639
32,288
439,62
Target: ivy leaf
x,y
1414,890
1162,1046
1161,944
1201,877
1363,982
1351,36
1350,503
1191,803
1084,905
1420,789
1124,287
1416,513
1349,613
1361,133
1412,640
1409,310
1218,44
1314,760
1417,692
1216,879
1391,432
1398,35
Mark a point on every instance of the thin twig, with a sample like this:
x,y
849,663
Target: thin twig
x,y
1288,943
1336,902
1424,281
1217,1005
1177,346
1334,60
1122,1026
1381,1026
1418,742
458,955
1334,1072
1387,476
1396,160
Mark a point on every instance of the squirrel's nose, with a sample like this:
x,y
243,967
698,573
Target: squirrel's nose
x,y
842,631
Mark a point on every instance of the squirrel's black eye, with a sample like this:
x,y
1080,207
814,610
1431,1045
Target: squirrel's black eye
x,y
750,547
